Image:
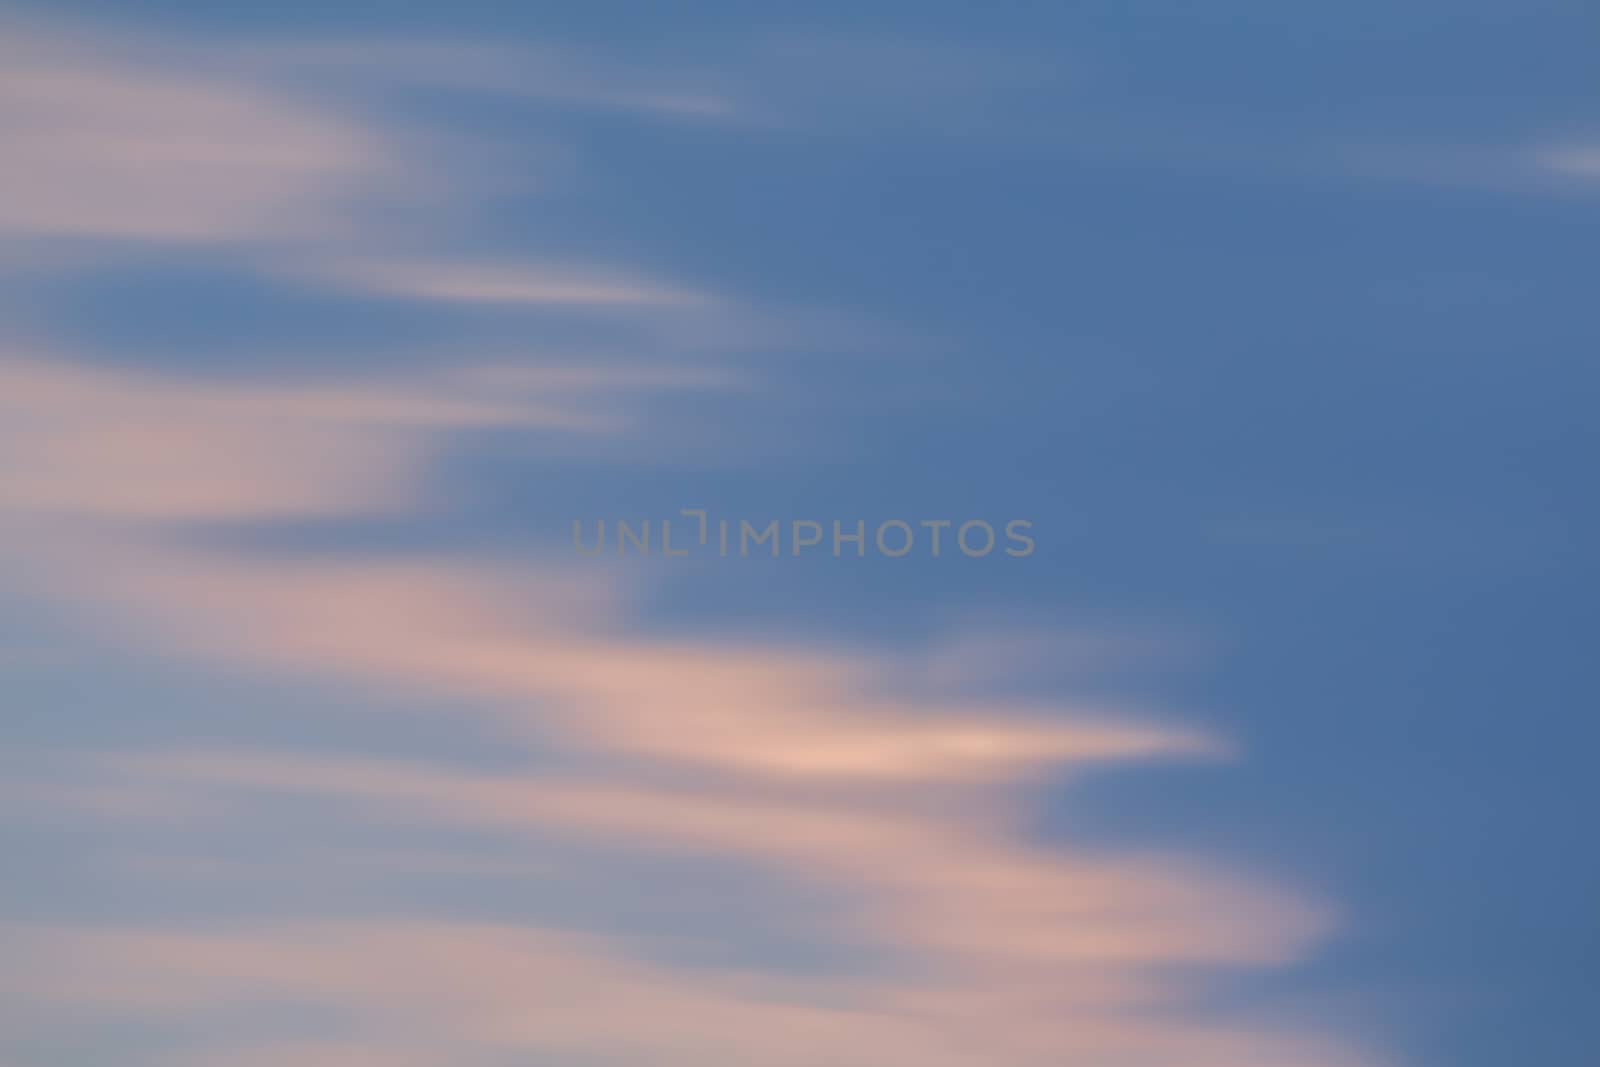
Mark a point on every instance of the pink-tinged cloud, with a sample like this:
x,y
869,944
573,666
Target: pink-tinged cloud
x,y
804,764
469,282
102,141
815,767
107,445
461,993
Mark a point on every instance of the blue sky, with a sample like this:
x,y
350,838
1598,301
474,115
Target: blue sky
x,y
321,324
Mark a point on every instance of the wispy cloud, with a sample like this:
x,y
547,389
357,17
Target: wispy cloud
x,y
104,144
964,940
110,448
420,992
284,155
469,282
109,445
1573,160
795,761
562,76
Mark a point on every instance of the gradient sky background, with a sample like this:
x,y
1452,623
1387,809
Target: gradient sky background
x,y
320,323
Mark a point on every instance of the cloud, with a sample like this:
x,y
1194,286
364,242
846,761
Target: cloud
x,y
1571,160
802,763
109,448
127,445
468,282
101,143
285,156
959,890
424,992
542,73
962,938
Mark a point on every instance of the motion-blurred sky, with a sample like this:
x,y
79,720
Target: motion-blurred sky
x,y
321,323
